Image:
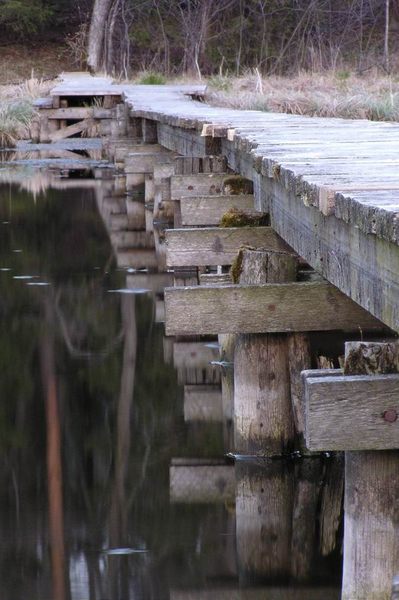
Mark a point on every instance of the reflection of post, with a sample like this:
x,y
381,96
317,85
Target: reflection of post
x,y
123,418
54,464
264,504
118,513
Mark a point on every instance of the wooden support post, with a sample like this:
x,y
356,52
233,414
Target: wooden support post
x,y
371,526
262,395
208,210
203,403
149,131
209,185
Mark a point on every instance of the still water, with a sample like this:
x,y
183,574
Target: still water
x,y
105,487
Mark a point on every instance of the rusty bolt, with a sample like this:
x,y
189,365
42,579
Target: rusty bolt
x,y
390,415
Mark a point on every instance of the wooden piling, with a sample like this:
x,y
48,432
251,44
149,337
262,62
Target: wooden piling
x,y
262,395
371,526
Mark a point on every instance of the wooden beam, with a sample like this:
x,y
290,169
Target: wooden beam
x,y
66,132
132,239
315,306
208,210
209,184
216,246
145,162
347,412
186,141
139,258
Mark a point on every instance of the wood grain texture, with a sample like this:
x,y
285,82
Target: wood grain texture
x,y
212,184
208,210
260,593
346,413
216,246
265,308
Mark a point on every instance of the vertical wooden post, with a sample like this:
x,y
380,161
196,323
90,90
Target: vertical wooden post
x,y
149,131
371,525
262,395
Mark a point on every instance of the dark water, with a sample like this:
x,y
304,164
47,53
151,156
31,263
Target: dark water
x,y
91,420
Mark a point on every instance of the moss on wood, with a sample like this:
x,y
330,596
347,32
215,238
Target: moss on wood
x,y
238,218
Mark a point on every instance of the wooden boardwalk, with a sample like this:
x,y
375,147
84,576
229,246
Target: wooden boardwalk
x,y
331,186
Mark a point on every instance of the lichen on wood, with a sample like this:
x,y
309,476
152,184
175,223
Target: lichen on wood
x,y
236,185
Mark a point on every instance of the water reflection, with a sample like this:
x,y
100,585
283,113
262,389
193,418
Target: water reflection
x,y
112,437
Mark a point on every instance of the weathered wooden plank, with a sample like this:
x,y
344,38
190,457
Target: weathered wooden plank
x,y
268,308
208,210
139,258
155,282
209,184
347,412
66,132
186,142
145,162
216,246
202,403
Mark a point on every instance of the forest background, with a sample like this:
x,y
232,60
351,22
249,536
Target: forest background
x,y
317,57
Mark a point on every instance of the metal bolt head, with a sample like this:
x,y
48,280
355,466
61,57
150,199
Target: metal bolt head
x,y
390,415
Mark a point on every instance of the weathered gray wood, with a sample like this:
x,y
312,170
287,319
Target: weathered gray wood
x,y
331,504
263,420
216,245
214,278
371,543
145,162
371,525
209,185
186,142
299,359
66,132
135,214
123,240
155,282
290,307
208,210
347,413
190,165
202,403
202,484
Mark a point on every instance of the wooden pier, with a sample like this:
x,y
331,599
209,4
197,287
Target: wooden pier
x,y
276,237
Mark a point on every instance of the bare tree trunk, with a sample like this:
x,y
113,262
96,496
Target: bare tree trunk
x,y
97,32
386,36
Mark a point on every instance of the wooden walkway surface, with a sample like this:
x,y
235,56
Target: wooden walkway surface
x,y
331,185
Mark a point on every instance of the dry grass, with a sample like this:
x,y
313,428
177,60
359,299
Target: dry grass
x,y
335,94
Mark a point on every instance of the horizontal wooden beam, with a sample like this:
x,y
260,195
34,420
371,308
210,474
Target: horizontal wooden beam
x,y
186,141
216,245
352,412
284,307
259,593
208,210
144,162
74,129
209,184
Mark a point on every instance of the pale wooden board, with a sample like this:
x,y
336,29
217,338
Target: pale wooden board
x,y
208,210
262,309
345,413
124,240
205,184
216,245
71,130
145,162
